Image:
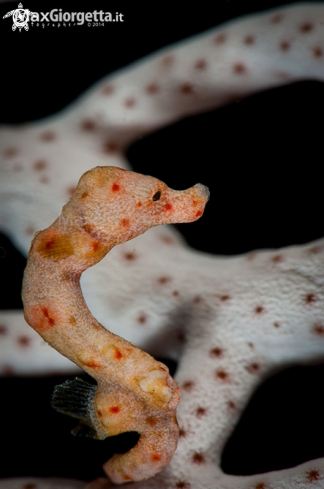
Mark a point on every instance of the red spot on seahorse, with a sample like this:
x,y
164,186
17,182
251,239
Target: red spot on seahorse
x,y
156,457
50,320
168,207
115,187
199,213
125,222
114,409
118,354
39,317
50,244
127,477
95,245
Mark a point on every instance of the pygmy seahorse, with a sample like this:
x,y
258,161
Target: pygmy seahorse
x,y
134,391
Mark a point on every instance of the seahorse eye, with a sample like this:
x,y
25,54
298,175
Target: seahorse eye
x,y
157,196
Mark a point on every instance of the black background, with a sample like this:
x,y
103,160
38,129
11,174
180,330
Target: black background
x,y
261,157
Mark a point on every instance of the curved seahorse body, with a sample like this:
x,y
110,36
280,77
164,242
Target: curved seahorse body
x,y
134,392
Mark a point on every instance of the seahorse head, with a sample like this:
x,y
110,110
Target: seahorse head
x,y
122,204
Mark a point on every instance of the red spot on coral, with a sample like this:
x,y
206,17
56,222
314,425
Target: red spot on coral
x,y
251,345
130,256
198,458
276,18
199,213
260,485
249,39
282,75
108,89
253,368
152,88
142,318
312,475
222,374
47,136
201,64
310,298
239,68
168,60
186,88
139,204
88,125
70,190
181,337
306,27
220,38
259,309
129,102
224,297
319,329
23,340
114,409
168,207
197,299
231,405
188,385
164,280
156,457
29,486
10,152
3,329
175,293
200,412
277,258
125,222
315,249
39,165
99,413
182,485
8,371
182,433
84,195
167,239
115,187
285,46
276,325
110,147
318,52
118,354
216,352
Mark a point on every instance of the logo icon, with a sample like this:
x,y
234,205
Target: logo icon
x,y
20,18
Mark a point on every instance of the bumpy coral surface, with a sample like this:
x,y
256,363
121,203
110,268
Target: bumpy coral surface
x,y
247,316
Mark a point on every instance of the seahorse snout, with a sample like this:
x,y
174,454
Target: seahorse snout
x,y
203,191
186,205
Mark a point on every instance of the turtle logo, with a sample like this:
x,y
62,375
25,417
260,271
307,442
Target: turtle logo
x,y
20,18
